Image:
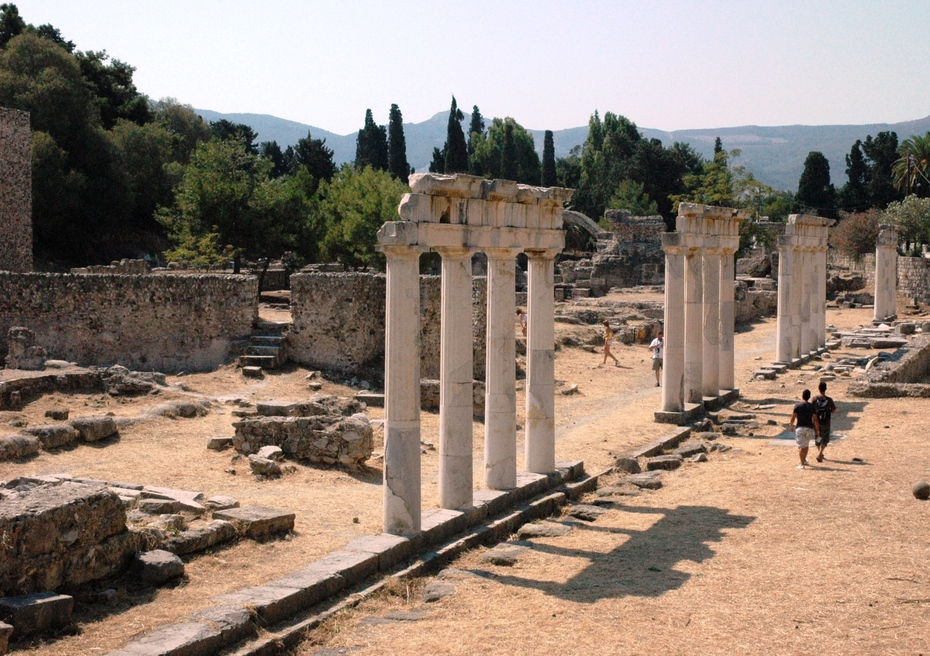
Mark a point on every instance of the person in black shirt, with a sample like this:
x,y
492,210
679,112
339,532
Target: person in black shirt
x,y
805,425
825,407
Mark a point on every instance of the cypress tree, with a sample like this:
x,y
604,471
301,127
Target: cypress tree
x,y
397,146
371,148
508,154
815,192
438,165
456,149
548,161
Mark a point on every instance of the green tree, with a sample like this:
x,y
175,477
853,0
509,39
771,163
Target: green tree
x,y
271,151
144,152
354,205
854,196
911,170
882,153
438,163
912,218
815,191
455,149
508,167
856,233
11,24
568,169
519,157
397,146
314,156
475,137
630,196
549,177
371,145
186,127
117,96
240,132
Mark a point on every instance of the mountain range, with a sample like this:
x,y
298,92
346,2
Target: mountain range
x,y
774,155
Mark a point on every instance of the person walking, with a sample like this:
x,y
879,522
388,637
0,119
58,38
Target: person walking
x,y
608,336
805,425
521,318
657,345
825,407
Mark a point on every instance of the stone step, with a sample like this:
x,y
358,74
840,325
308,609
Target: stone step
x,y
272,327
263,361
264,350
267,340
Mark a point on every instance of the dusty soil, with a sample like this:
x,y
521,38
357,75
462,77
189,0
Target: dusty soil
x,y
747,553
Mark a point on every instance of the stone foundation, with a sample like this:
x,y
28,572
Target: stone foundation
x,y
905,373
325,439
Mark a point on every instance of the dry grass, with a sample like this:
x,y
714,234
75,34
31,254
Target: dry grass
x,y
815,548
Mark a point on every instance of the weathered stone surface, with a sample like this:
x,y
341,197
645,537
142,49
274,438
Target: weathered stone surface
x,y
65,534
157,567
41,612
16,447
252,372
706,436
698,457
221,502
219,443
257,522
180,639
271,453
663,462
646,480
436,590
52,436
6,631
57,414
120,381
185,409
329,439
542,530
188,499
158,506
371,399
921,490
504,554
586,512
96,428
264,466
629,465
689,449
199,538
611,491
234,623
23,352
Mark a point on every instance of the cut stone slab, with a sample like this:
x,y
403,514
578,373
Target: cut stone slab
x,y
689,449
53,436
765,374
390,549
629,465
253,372
542,530
234,623
586,512
611,491
157,567
219,443
183,638
197,539
436,590
257,522
271,452
42,612
221,502
371,399
95,428
57,414
663,462
698,457
264,466
189,500
504,554
159,506
646,480
16,447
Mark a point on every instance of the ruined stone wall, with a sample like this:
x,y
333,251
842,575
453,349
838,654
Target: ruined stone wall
x,y
914,278
164,323
864,266
632,255
338,322
15,191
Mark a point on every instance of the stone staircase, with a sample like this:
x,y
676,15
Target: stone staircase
x,y
266,348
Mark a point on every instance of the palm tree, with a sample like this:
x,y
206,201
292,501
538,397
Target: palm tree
x,y
912,170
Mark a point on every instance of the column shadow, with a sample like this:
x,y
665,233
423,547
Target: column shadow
x,y
644,565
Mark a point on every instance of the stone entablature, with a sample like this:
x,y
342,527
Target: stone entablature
x,y
456,216
162,323
15,191
699,305
802,287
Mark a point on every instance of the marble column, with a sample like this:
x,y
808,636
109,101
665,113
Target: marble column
x,y
673,366
500,419
787,321
539,442
804,281
710,360
456,373
886,273
402,505
818,300
694,333
727,320
822,295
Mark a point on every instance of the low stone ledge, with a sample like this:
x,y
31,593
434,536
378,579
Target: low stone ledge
x,y
193,540
38,613
257,522
18,447
664,443
53,436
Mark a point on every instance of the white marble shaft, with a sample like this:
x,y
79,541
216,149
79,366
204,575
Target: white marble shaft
x,y
500,418
710,358
673,367
801,323
456,367
727,320
402,505
694,328
539,442
886,273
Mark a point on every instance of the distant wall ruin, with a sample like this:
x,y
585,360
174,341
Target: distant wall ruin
x,y
165,323
338,322
15,191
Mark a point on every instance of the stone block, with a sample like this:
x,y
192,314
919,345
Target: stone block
x,y
6,631
390,549
197,539
542,530
257,522
180,639
52,436
219,443
57,414
689,449
646,480
314,586
629,465
42,612
765,374
371,399
264,466
188,499
271,452
234,623
157,567
353,566
221,502
159,506
252,372
440,524
17,447
92,429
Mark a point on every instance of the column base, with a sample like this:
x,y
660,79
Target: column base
x,y
691,412
713,403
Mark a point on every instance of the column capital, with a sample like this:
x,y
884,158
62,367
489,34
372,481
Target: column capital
x,y
541,253
501,253
453,251
401,251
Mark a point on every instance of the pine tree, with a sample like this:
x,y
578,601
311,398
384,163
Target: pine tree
x,y
548,161
371,148
718,146
397,146
508,154
815,192
456,150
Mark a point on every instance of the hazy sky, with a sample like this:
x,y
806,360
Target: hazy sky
x,y
666,65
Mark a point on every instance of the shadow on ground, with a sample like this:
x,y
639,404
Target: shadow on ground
x,y
644,564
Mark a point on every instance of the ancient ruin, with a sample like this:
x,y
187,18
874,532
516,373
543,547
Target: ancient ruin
x,y
886,274
699,311
455,216
802,288
15,191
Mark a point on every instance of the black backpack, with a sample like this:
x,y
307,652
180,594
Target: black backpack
x,y
822,404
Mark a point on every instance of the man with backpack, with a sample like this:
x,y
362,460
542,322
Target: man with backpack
x,y
825,407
